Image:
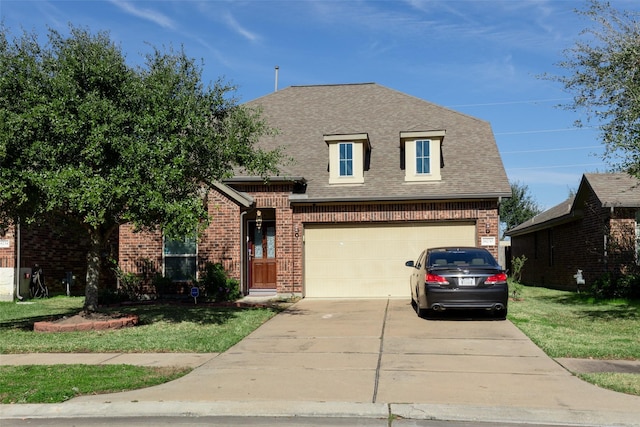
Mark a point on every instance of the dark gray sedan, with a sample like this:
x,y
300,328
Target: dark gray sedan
x,y
458,278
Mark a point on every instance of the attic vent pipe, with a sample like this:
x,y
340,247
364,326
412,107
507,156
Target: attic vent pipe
x,y
277,69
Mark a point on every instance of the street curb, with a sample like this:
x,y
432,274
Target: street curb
x,y
195,409
519,415
488,414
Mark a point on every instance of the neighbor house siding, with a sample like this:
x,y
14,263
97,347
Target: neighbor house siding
x,y
597,240
8,255
622,241
60,247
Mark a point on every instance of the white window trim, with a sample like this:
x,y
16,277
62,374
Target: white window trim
x,y
174,256
360,144
408,140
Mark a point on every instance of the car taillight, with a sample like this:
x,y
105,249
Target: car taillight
x,y
497,278
434,278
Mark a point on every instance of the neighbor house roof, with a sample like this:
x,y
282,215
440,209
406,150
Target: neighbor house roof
x,y
611,189
303,115
614,189
558,214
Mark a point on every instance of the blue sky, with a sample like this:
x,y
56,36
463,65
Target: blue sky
x,y
479,57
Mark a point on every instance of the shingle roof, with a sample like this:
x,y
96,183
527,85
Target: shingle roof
x,y
553,215
611,189
615,189
304,114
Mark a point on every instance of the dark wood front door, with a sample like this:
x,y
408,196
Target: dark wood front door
x,y
262,250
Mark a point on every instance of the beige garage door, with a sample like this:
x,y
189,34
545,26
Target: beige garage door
x,y
368,260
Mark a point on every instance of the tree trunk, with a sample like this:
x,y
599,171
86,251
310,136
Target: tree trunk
x,y
93,271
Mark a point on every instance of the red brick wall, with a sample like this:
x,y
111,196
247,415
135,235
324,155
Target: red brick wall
x,y
8,255
140,252
221,241
554,255
60,247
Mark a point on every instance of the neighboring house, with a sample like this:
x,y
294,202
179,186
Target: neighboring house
x,y
59,248
376,176
596,232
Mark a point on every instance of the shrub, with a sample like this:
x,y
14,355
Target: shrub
x,y
517,264
161,284
217,285
129,285
607,286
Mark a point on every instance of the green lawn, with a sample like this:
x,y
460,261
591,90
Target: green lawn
x,y
566,324
57,383
163,328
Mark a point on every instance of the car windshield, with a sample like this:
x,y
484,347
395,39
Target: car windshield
x,y
461,258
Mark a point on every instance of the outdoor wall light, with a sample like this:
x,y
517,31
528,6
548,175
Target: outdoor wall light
x,y
259,219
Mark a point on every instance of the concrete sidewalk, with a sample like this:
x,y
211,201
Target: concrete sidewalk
x,y
194,360
190,360
369,359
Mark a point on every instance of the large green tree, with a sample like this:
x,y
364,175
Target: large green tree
x,y
602,72
86,136
519,208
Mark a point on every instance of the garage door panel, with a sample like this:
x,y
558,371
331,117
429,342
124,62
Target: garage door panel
x,y
368,260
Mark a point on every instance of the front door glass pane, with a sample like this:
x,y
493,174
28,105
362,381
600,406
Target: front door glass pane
x,y
257,243
271,242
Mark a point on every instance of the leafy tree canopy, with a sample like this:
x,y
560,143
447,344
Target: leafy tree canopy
x,y
603,74
89,137
519,208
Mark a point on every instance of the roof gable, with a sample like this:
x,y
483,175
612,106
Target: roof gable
x,y
611,190
303,115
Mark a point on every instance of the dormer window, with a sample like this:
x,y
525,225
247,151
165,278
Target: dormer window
x,y
422,154
423,160
346,158
348,154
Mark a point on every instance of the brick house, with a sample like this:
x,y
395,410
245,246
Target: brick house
x,y
59,248
596,232
375,176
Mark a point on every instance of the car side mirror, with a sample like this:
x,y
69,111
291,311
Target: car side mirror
x,y
409,264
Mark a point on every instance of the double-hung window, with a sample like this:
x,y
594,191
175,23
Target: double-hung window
x,y
180,258
346,159
423,157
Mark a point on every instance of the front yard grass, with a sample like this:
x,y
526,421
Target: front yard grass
x,y
163,328
567,324
58,383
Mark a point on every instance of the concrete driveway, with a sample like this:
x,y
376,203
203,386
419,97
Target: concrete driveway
x,y
380,352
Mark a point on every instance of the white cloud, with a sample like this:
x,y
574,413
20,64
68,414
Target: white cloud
x,y
148,14
235,26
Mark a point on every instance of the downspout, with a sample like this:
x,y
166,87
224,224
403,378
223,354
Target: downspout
x,y
243,273
17,276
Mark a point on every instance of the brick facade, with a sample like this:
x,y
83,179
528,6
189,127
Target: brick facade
x,y
223,242
598,240
58,247
8,255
